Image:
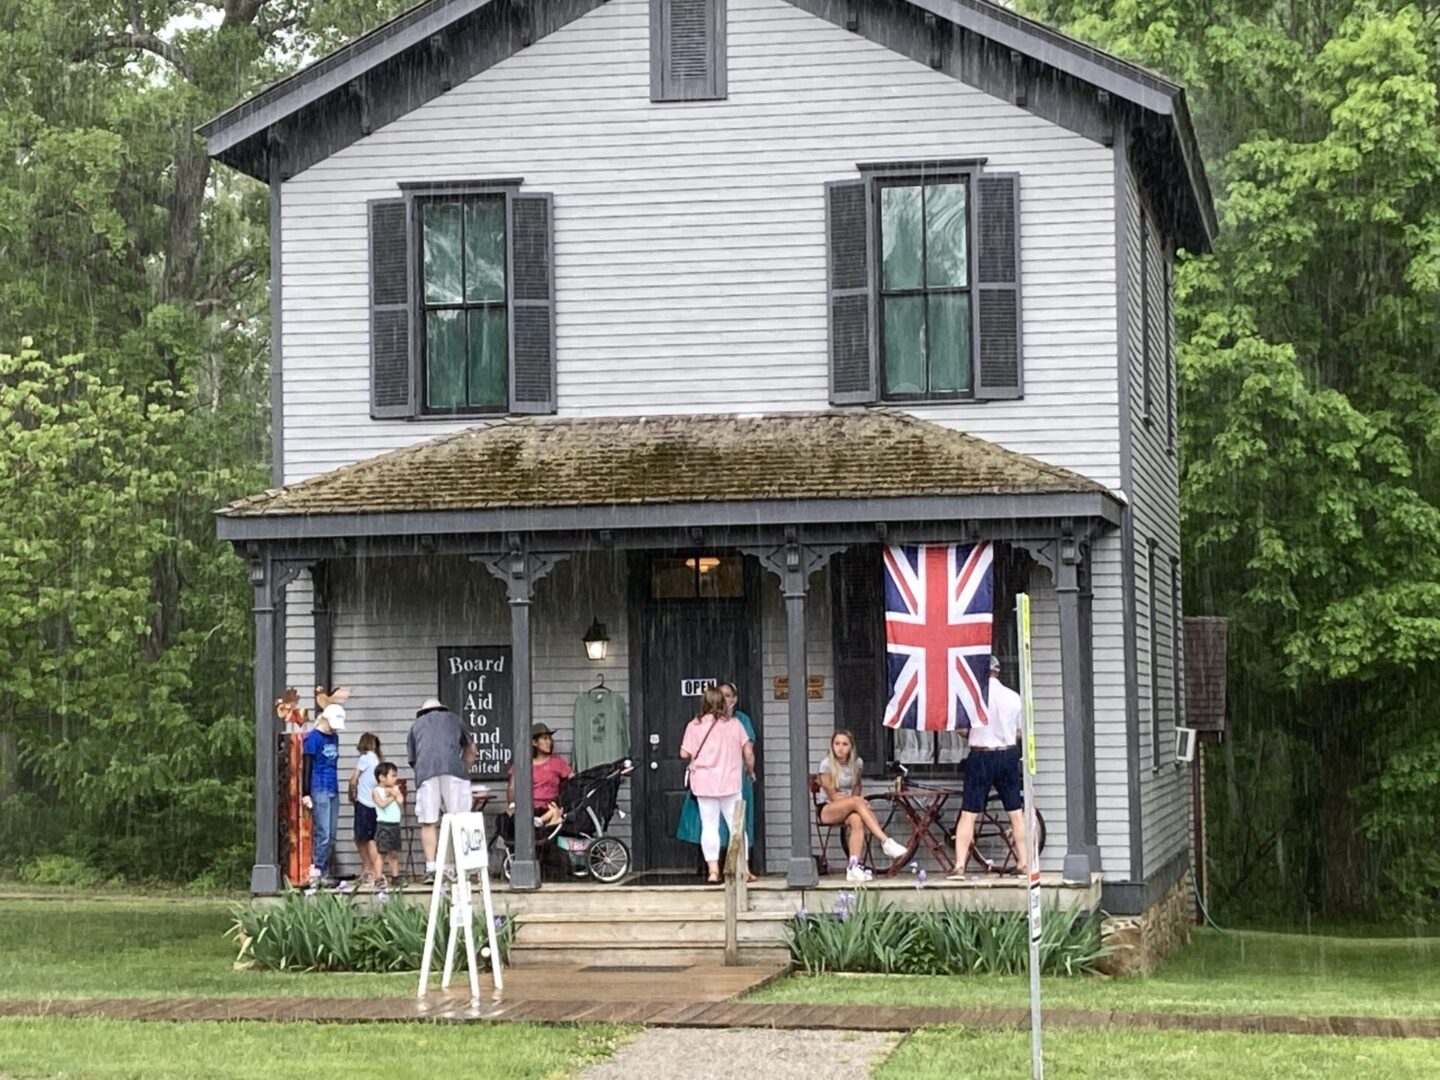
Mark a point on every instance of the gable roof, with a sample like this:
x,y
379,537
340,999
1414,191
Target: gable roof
x,y
610,463
423,52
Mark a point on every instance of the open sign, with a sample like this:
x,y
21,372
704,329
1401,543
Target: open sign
x,y
472,846
695,687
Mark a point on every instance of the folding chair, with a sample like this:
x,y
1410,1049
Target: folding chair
x,y
411,831
823,832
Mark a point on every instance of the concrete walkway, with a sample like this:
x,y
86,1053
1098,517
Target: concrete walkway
x,y
736,1054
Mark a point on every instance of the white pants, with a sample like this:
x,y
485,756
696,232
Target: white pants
x,y
712,809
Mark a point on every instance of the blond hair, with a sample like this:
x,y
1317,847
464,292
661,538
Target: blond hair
x,y
712,703
853,760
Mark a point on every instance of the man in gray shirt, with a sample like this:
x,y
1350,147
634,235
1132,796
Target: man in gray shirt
x,y
438,748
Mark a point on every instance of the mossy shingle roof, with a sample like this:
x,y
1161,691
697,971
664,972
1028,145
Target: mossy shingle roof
x,y
549,462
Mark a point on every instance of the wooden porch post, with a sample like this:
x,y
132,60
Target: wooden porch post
x,y
1078,865
520,570
324,628
793,564
265,874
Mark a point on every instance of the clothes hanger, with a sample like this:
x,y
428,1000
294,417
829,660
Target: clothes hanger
x,y
600,682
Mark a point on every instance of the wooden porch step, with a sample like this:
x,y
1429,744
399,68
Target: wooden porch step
x,y
659,929
640,956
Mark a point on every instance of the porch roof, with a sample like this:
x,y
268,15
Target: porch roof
x,y
534,463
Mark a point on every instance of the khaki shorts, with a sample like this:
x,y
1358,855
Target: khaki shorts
x,y
450,792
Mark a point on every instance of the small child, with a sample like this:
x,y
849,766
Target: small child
x,y
389,807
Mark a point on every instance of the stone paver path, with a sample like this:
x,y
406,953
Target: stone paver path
x,y
691,1054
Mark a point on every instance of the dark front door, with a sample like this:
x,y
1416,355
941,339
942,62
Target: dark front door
x,y
696,625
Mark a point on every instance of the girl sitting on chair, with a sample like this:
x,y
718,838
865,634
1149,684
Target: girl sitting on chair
x,y
842,803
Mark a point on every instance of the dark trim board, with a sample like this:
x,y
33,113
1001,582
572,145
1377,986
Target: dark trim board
x,y
1137,897
277,334
421,54
1099,506
1127,485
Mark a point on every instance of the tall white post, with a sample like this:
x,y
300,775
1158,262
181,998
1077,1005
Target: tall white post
x,y
1031,853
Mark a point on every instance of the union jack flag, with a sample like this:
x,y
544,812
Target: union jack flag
x,y
938,601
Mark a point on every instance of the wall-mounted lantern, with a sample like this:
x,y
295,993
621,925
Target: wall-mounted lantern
x,y
597,642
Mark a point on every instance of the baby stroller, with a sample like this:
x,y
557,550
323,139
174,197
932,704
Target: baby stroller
x,y
588,801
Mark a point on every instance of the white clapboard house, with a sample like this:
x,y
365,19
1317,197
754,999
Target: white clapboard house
x,y
667,315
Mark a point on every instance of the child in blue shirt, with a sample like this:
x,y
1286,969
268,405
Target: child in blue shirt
x,y
320,785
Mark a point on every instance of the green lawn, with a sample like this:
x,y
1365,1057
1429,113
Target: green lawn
x,y
144,948
1233,972
1115,1054
120,1050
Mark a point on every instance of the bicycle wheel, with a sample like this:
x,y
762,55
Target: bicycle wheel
x,y
893,821
993,847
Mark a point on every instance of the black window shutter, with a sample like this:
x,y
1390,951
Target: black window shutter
x,y
532,303
998,351
391,380
687,50
852,354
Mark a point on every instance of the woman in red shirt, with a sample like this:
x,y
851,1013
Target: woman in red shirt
x,y
547,769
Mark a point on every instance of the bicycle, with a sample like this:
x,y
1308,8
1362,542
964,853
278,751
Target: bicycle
x,y
921,808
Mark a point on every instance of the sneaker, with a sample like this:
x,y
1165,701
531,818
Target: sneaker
x,y
429,878
316,874
856,875
893,848
397,883
345,887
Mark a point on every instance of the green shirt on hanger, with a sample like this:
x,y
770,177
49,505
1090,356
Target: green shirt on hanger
x,y
602,728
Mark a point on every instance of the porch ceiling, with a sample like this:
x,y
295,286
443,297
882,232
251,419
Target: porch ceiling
x,y
550,463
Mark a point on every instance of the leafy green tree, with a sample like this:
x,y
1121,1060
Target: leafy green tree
x,y
1309,424
125,250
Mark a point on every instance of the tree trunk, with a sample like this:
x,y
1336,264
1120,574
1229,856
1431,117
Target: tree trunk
x,y
1346,879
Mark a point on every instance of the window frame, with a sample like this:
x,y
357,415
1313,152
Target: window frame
x,y
421,307
922,176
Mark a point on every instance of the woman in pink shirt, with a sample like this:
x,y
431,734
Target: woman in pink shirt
x,y
547,769
717,748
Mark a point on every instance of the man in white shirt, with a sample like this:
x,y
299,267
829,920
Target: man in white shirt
x,y
993,762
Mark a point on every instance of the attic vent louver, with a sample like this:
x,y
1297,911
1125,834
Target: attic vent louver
x,y
687,50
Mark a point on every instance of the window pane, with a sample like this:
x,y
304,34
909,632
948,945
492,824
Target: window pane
x,y
444,359
949,341
489,358
485,249
945,234
672,578
442,252
900,234
721,576
905,345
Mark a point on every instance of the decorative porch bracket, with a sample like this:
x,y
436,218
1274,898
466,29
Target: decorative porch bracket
x,y
793,562
520,570
268,578
1065,557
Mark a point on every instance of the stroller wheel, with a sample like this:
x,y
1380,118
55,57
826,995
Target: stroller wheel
x,y
608,859
508,864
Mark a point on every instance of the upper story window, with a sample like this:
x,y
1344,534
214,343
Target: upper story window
x,y
925,289
924,283
461,301
463,304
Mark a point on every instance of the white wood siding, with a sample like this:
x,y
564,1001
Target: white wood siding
x,y
1155,506
690,257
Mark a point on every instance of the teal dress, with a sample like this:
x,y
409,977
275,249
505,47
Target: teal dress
x,y
689,827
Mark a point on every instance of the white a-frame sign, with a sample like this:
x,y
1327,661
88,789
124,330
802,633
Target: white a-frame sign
x,y
463,841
